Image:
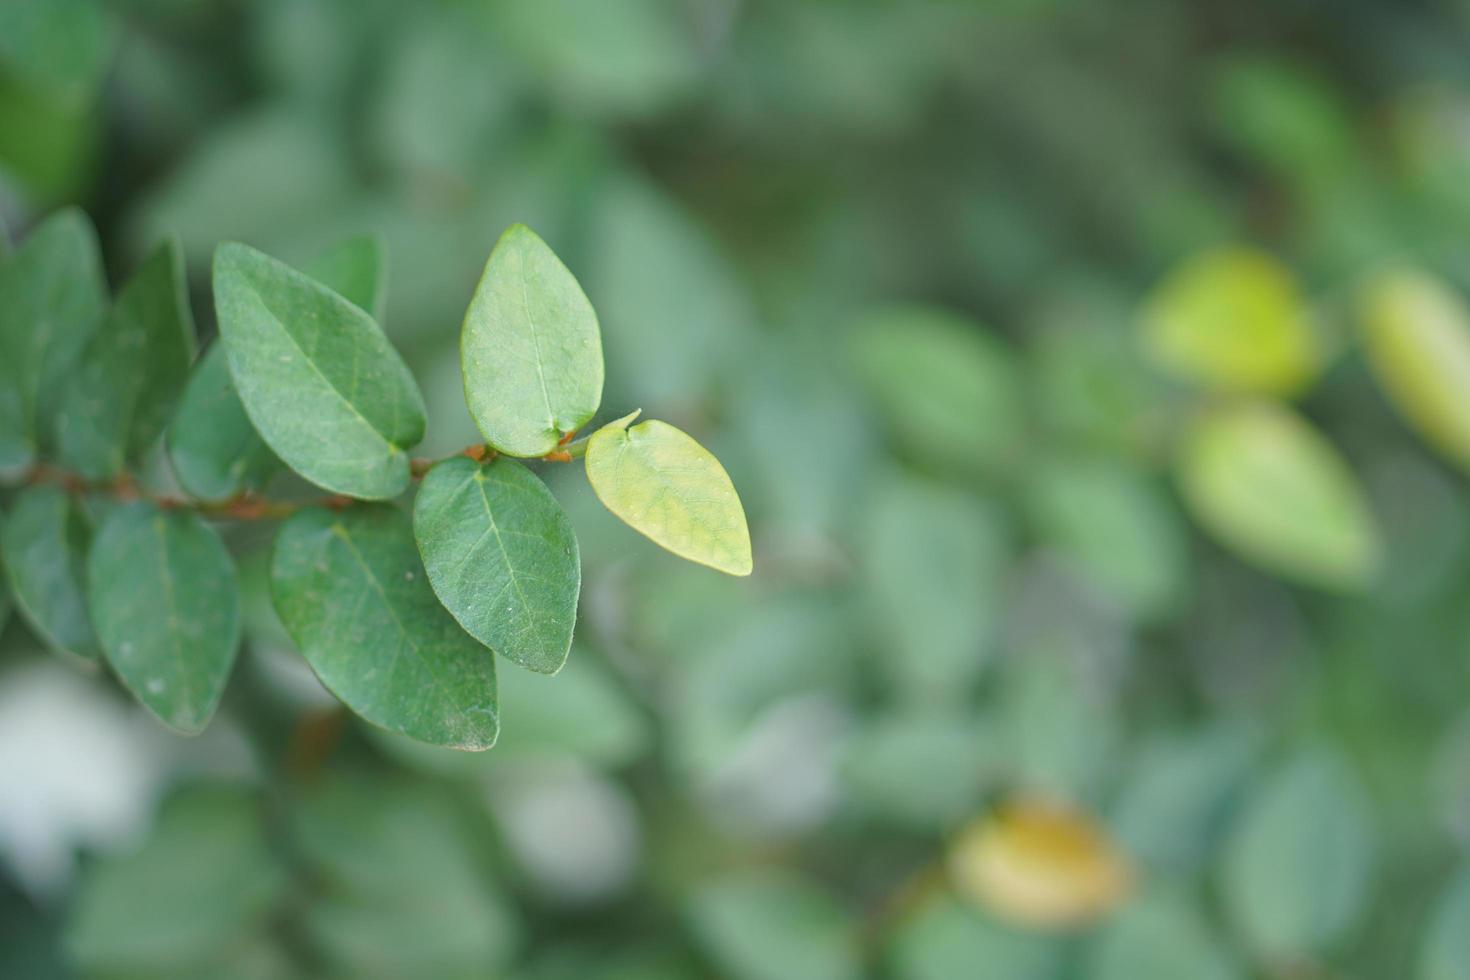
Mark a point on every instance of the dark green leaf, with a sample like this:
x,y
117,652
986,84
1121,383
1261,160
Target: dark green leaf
x,y
52,296
164,597
44,546
215,450
203,881
502,557
317,377
531,350
352,592
121,392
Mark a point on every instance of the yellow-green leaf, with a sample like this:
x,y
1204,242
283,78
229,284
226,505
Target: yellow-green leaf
x,y
1233,319
670,489
1272,488
1416,333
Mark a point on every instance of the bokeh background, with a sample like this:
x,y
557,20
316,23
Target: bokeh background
x,y
1109,621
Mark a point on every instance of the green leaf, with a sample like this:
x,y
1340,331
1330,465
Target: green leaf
x,y
1297,872
669,488
351,591
1416,333
948,392
318,378
772,925
357,270
502,557
52,296
164,597
932,558
44,545
59,45
215,450
204,880
1444,953
1233,319
1159,938
920,771
1269,486
1115,528
530,349
946,940
122,391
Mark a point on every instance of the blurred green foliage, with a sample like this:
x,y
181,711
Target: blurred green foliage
x,y
991,309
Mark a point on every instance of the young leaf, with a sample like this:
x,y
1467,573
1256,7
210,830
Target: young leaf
x,y
670,489
351,590
43,543
1233,319
166,604
502,557
1041,866
1417,336
52,296
1297,871
215,450
122,391
530,350
1269,486
355,269
318,378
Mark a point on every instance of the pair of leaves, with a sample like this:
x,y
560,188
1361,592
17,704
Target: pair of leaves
x,y
154,591
215,450
531,354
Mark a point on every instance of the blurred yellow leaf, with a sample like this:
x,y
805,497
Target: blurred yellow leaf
x,y
1269,486
1040,864
1416,334
1233,319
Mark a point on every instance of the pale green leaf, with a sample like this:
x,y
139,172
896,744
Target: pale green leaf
x,y
52,297
122,391
1416,333
318,378
1233,319
352,592
164,598
1297,873
668,487
43,543
215,450
502,557
772,925
1267,484
530,349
